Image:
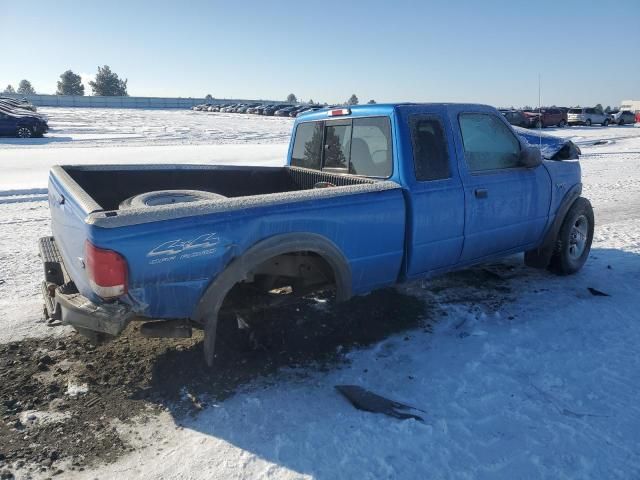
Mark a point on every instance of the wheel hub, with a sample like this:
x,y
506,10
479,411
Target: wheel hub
x,y
578,237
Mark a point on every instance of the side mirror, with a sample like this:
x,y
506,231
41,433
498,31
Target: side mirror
x,y
530,157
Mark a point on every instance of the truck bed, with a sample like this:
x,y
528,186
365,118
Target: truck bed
x,y
110,185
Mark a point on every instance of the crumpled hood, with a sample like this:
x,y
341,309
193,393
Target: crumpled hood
x,y
552,148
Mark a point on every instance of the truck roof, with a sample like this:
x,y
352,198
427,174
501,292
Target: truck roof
x,y
379,109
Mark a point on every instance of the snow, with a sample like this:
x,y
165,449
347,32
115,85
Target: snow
x,y
543,385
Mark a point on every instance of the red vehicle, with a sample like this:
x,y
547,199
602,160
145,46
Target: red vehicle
x,y
546,117
637,117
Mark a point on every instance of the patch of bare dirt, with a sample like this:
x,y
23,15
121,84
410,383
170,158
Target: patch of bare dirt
x,y
59,398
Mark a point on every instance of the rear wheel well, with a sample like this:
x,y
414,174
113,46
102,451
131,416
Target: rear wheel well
x,y
293,273
300,262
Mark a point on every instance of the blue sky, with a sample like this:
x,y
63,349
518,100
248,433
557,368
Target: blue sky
x,y
478,51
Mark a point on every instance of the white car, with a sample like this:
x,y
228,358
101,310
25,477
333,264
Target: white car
x,y
587,116
623,117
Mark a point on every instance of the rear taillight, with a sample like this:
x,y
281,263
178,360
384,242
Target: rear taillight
x,y
107,271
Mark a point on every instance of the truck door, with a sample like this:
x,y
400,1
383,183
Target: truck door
x,y
506,204
435,227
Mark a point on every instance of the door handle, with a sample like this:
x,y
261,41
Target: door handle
x,y
481,193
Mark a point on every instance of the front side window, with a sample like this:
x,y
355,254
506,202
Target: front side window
x,y
430,156
488,143
307,147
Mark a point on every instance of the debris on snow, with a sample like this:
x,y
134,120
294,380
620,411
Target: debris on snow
x,y
597,293
368,401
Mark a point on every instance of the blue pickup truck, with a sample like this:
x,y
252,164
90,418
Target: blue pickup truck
x,y
370,196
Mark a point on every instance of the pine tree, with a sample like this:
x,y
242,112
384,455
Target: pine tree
x,y
9,89
108,84
209,97
598,107
371,102
310,101
608,109
291,98
353,100
70,84
25,88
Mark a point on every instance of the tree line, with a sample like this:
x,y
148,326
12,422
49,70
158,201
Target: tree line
x,y
109,84
106,84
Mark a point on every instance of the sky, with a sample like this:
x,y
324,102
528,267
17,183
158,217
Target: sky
x,y
396,50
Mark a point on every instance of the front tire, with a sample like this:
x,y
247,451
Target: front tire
x,y
588,122
621,122
573,243
605,123
24,132
562,124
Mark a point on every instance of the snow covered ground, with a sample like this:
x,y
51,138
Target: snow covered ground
x,y
543,383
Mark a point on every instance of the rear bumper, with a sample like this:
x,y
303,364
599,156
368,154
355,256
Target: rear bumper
x,y
64,303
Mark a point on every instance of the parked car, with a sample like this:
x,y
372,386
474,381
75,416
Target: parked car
x,y
260,110
546,117
274,108
357,207
15,103
313,108
622,117
517,118
245,109
16,124
284,112
253,108
587,116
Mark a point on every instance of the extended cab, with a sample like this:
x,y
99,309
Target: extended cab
x,y
370,196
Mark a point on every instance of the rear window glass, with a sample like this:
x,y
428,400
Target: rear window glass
x,y
575,110
336,146
371,147
361,146
430,157
307,148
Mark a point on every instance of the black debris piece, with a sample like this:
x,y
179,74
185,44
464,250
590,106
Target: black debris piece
x,y
363,399
597,293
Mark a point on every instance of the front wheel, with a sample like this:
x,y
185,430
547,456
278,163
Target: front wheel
x,y
621,122
24,132
588,122
573,243
605,123
562,124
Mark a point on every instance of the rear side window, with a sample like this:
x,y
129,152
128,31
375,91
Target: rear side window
x,y
371,147
488,143
307,148
430,156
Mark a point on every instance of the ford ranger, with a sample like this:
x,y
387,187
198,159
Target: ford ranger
x,y
370,196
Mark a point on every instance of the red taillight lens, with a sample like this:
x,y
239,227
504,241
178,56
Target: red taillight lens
x,y
107,271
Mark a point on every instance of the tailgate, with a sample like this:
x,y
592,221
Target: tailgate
x,y
69,206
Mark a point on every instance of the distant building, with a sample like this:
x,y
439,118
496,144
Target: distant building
x,y
633,105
